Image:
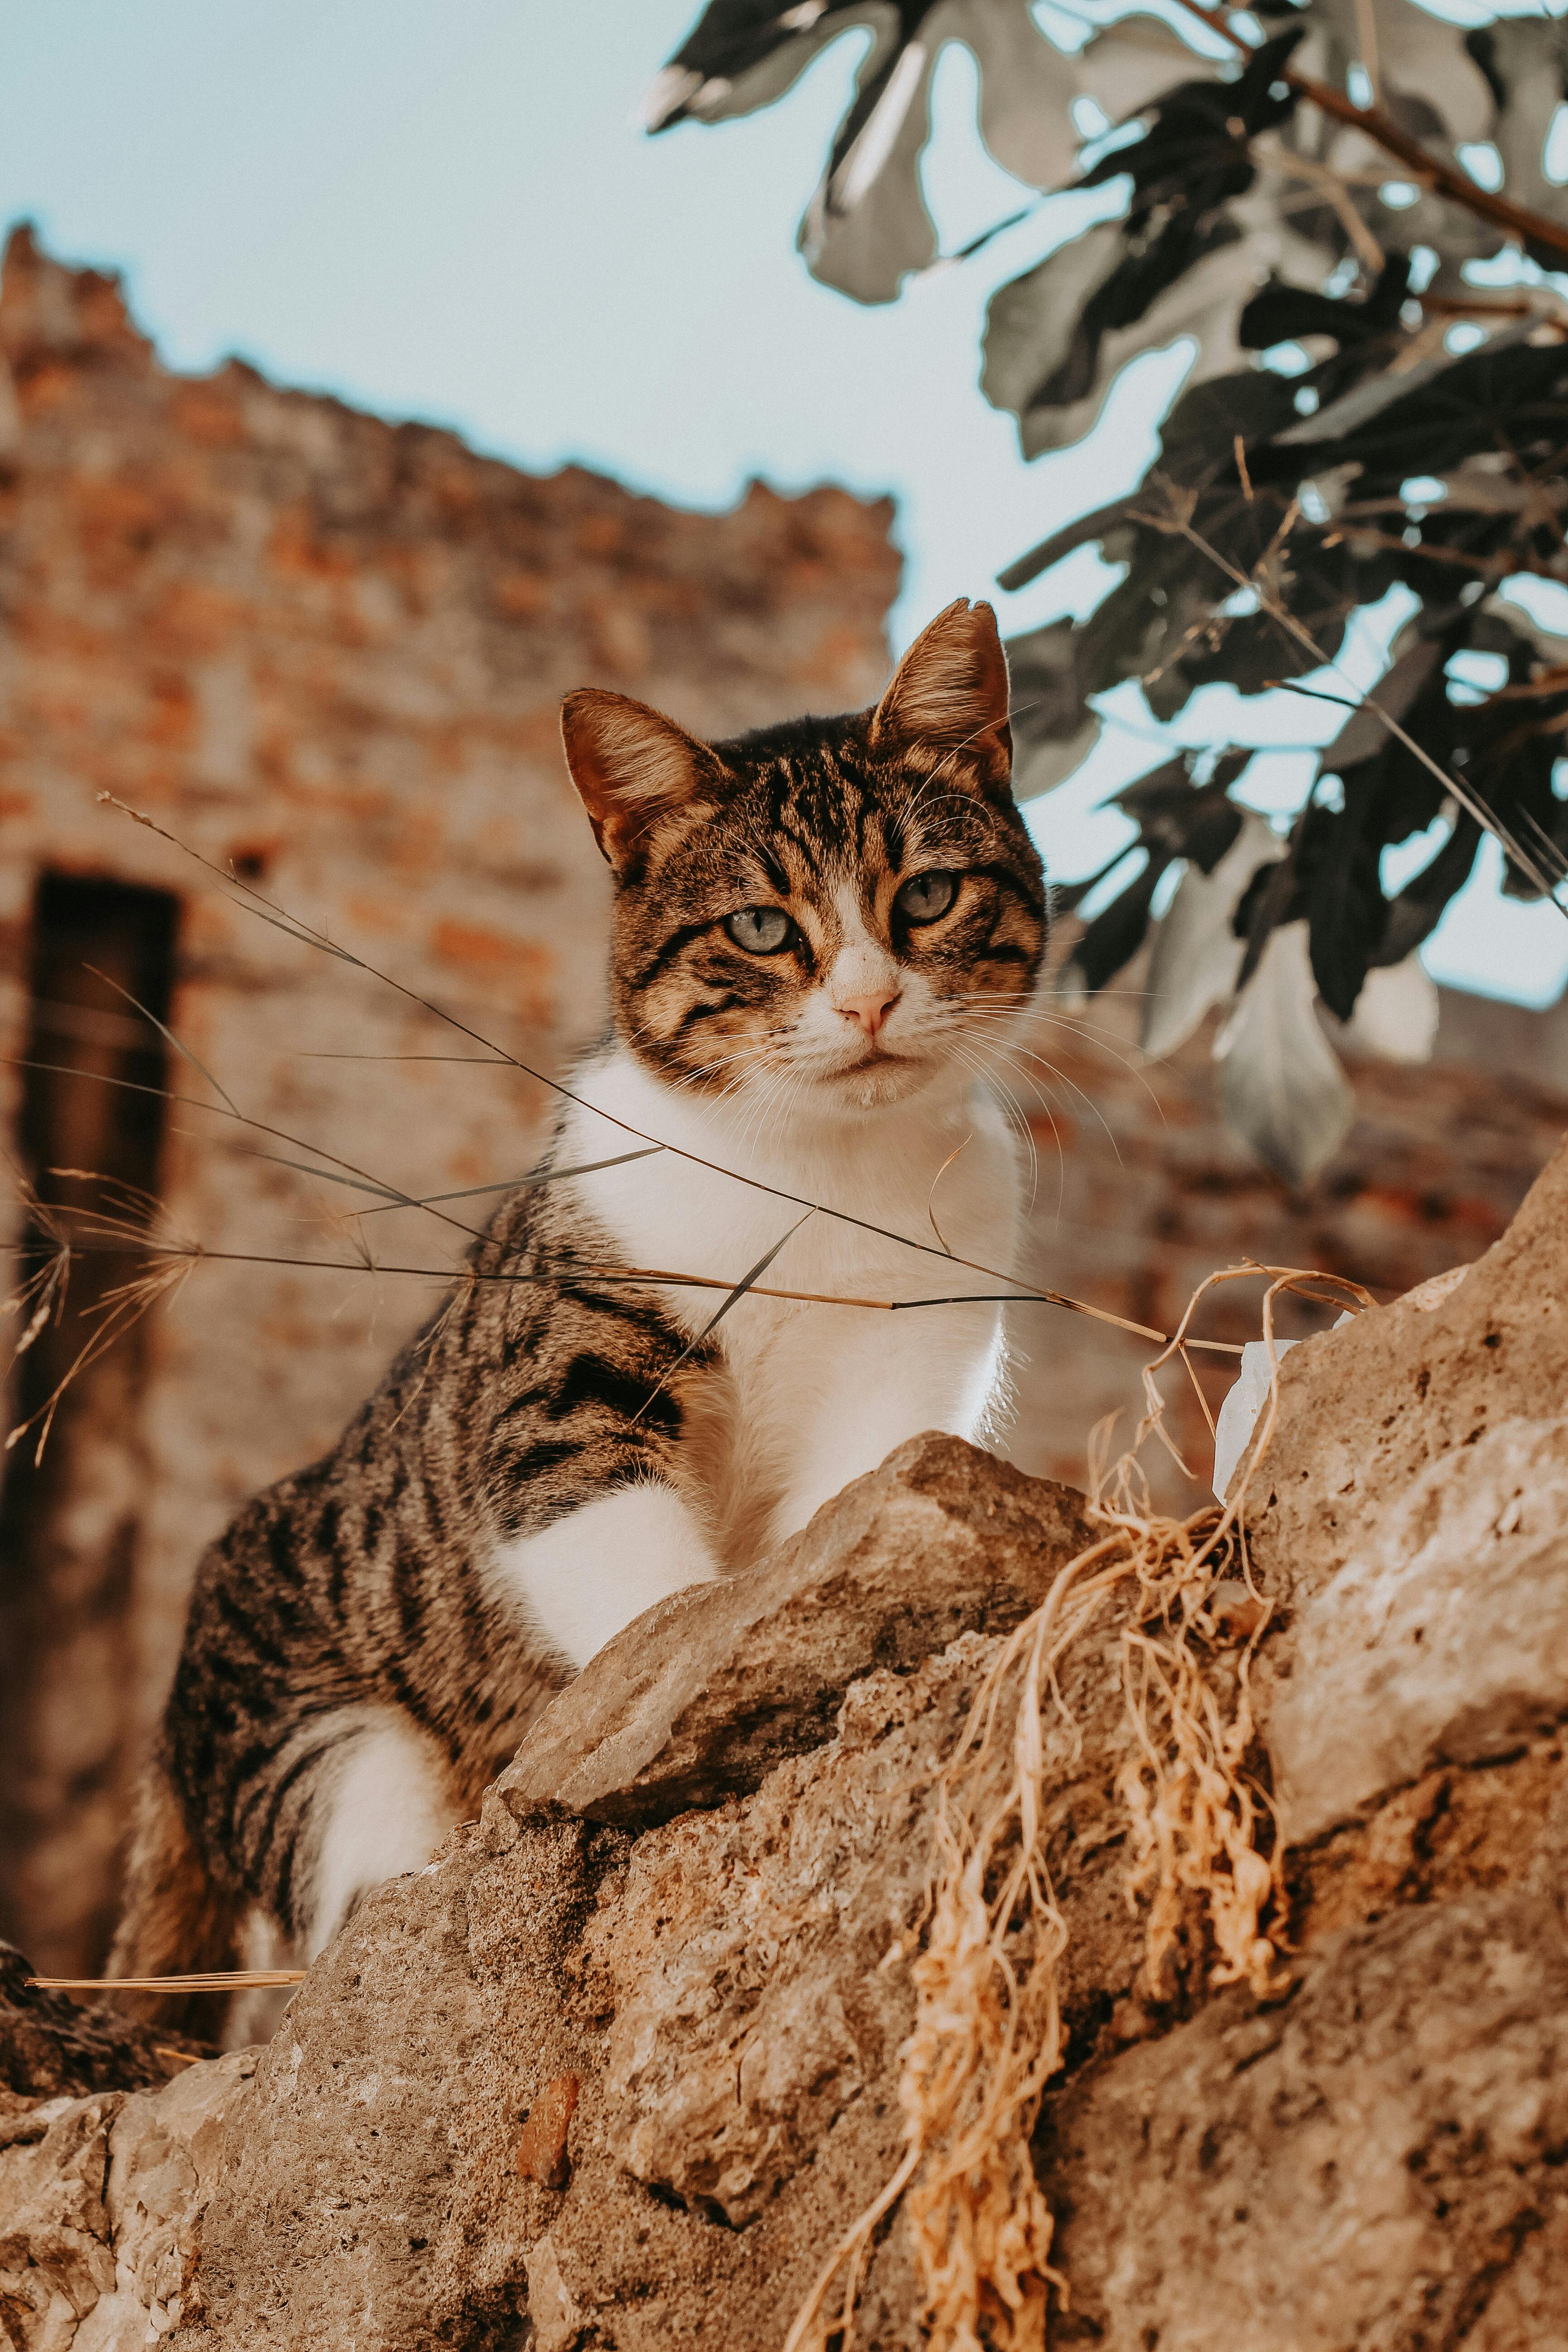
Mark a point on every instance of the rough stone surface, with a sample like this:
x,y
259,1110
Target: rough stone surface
x,y
1410,1523
1366,1409
713,1687
101,2203
55,2257
717,1989
1444,1637
718,1984
1359,2162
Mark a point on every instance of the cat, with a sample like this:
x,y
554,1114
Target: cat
x,y
823,932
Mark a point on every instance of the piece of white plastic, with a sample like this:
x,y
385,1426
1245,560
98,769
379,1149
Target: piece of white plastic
x,y
1249,1392
1239,1414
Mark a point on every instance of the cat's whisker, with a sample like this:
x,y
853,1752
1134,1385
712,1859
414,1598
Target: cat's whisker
x,y
769,1090
1125,1062
926,791
997,1088
1016,1052
1015,1057
1033,1008
1091,1106
1020,1078
720,1062
1017,1116
791,1086
794,1093
1047,1110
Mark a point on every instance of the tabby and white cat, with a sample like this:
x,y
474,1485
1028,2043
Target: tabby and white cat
x,y
822,929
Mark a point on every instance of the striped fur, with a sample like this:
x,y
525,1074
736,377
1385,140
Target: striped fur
x,y
369,1640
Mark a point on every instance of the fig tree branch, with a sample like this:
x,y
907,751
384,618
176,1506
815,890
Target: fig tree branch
x,y
1382,129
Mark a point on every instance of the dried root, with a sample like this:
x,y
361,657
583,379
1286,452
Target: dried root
x,y
988,2031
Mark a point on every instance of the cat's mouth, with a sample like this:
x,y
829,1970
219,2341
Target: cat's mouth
x,y
877,1076
875,1057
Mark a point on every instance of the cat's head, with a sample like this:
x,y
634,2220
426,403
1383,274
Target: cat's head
x,y
851,904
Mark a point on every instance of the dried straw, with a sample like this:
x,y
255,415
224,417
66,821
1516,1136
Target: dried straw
x,y
988,2032
131,1223
204,1980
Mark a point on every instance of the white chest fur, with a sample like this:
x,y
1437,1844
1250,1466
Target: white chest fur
x,y
818,1393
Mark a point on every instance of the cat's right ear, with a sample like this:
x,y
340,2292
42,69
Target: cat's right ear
x,y
949,693
631,766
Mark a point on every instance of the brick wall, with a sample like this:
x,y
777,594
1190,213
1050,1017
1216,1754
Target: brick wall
x,y
332,651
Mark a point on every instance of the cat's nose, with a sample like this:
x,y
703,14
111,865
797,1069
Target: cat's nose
x,y
871,1011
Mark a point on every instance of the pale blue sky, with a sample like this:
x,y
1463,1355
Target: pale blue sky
x,y
440,208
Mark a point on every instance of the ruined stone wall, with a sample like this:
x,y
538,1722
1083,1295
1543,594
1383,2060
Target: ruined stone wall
x,y
330,651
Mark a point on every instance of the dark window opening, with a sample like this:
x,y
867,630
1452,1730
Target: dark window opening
x,y
69,1524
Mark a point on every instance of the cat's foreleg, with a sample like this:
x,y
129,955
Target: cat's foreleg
x,y
380,1806
599,1472
865,1394
587,1574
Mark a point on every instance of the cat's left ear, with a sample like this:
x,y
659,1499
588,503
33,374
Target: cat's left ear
x,y
631,766
950,691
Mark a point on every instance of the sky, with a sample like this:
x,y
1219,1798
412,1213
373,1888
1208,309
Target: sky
x,y
442,209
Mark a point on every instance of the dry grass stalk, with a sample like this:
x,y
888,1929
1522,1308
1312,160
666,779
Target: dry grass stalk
x,y
170,1260
250,900
988,2028
130,1224
204,1980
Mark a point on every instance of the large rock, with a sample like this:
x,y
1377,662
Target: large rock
x,y
712,1689
716,1988
1361,2161
1416,1523
55,2259
716,1992
1366,1408
1443,1637
616,2069
106,2164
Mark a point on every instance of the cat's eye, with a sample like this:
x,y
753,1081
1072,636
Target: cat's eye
x,y
925,898
760,930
